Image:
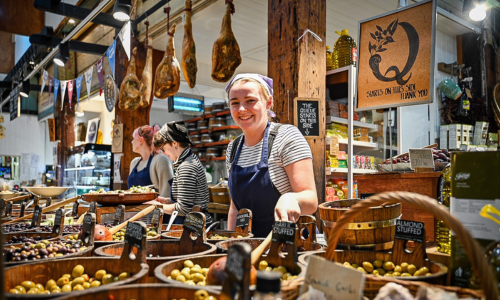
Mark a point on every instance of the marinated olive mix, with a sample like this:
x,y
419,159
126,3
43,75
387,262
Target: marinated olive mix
x,y
120,235
22,239
16,227
41,249
69,228
201,295
76,281
285,275
220,237
389,269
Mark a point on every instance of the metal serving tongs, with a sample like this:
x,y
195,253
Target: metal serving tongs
x,y
488,211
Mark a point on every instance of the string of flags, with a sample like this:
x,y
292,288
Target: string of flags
x,y
123,36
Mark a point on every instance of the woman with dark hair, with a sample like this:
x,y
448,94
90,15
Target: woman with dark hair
x,y
189,185
150,168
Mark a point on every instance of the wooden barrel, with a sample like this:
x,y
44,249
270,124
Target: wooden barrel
x,y
172,227
374,229
223,246
220,195
160,251
141,291
223,235
85,253
54,269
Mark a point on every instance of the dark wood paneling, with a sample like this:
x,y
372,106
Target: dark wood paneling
x,y
7,48
21,17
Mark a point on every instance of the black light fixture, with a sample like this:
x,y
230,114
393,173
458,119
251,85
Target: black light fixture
x,y
121,11
25,88
63,55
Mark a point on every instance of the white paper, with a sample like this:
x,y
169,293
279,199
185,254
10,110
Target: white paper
x,y
116,168
467,211
26,159
421,158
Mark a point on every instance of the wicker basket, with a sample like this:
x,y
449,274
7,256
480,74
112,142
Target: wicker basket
x,y
290,289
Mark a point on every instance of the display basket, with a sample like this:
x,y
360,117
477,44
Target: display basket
x,y
290,289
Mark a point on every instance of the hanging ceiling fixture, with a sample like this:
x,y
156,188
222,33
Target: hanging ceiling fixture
x,y
63,55
478,13
25,88
121,11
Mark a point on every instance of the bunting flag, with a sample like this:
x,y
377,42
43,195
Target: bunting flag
x,y
44,79
70,91
88,80
56,90
79,81
63,92
124,37
100,73
51,83
110,53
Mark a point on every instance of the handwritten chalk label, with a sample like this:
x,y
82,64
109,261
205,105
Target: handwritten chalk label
x,y
410,230
194,223
119,215
421,158
37,215
334,145
243,220
234,263
237,271
134,234
75,209
23,208
306,116
93,207
155,220
333,279
284,232
88,227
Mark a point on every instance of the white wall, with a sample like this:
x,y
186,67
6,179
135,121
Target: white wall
x,y
96,108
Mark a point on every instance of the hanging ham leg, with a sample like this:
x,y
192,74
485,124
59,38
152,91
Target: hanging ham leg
x,y
226,52
188,61
130,97
147,76
168,72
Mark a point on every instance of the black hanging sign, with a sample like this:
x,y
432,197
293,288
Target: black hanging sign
x,y
2,207
15,107
119,215
284,232
75,209
155,220
8,209
48,202
88,228
136,231
194,223
410,230
237,271
58,221
93,207
243,219
37,216
307,116
23,208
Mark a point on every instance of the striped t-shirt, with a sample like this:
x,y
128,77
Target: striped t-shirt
x,y
289,146
189,187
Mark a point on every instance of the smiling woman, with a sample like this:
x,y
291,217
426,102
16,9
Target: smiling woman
x,y
270,165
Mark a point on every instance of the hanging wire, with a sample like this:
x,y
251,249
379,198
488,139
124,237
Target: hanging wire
x,y
167,11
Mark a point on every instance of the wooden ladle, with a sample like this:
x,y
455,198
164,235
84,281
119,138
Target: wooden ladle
x,y
216,275
104,234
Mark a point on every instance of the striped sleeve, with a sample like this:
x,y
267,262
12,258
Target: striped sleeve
x,y
190,187
290,146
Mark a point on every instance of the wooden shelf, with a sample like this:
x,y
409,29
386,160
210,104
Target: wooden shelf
x,y
359,143
372,127
219,114
215,144
213,159
355,171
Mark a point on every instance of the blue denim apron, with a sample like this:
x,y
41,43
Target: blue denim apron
x,y
252,188
141,177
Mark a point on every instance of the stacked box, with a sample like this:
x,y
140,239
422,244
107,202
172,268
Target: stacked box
x,y
466,129
480,133
454,136
443,137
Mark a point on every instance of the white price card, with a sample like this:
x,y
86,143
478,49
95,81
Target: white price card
x,y
421,158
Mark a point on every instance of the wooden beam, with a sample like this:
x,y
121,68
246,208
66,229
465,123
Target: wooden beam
x,y
7,48
299,68
21,17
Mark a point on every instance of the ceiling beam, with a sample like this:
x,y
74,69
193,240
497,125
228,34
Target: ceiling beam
x,y
75,46
76,12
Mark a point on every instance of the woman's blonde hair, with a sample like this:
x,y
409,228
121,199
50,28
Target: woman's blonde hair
x,y
263,89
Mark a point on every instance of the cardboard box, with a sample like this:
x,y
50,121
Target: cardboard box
x,y
443,137
480,133
474,182
466,133
454,136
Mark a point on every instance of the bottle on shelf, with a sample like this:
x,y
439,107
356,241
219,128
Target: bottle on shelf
x,y
464,105
329,59
443,233
268,286
345,51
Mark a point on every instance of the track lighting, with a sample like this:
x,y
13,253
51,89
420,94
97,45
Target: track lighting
x,y
63,55
25,88
121,11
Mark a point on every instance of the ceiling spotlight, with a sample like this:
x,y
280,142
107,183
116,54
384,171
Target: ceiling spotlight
x,y
63,55
478,13
121,11
25,88
71,21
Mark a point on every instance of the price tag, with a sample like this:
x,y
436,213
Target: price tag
x,y
119,215
58,221
421,158
333,279
93,207
194,223
284,232
136,231
8,209
155,220
237,271
243,219
334,145
75,209
410,230
37,216
23,208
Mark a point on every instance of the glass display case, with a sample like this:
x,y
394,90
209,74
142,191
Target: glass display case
x,y
89,167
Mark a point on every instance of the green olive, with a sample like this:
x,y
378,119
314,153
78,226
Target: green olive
x,y
76,281
45,292
55,287
55,291
39,286
195,270
100,274
197,277
108,278
361,269
406,275
368,266
123,275
200,295
398,269
21,289
14,291
282,269
66,288
62,281
188,263
66,275
95,283
376,273
28,284
33,290
50,284
180,278
377,263
263,265
190,282
381,271
78,287
396,274
412,269
388,265
404,267
202,283
186,274
175,273
77,271
355,266
86,285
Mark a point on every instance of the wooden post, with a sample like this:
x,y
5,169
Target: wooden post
x,y
299,68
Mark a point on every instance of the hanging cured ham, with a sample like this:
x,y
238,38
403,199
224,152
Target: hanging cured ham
x,y
168,72
226,52
188,61
130,97
147,75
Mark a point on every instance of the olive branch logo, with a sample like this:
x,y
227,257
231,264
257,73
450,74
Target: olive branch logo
x,y
382,37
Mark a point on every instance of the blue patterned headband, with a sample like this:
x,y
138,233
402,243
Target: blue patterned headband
x,y
264,80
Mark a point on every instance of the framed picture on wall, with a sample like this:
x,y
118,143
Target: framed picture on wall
x,y
92,129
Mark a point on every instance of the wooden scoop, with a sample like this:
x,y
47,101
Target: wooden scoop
x,y
104,234
47,209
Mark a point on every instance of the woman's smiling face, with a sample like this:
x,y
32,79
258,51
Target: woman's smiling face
x,y
249,105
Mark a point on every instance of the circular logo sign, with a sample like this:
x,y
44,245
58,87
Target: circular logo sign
x,y
110,92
